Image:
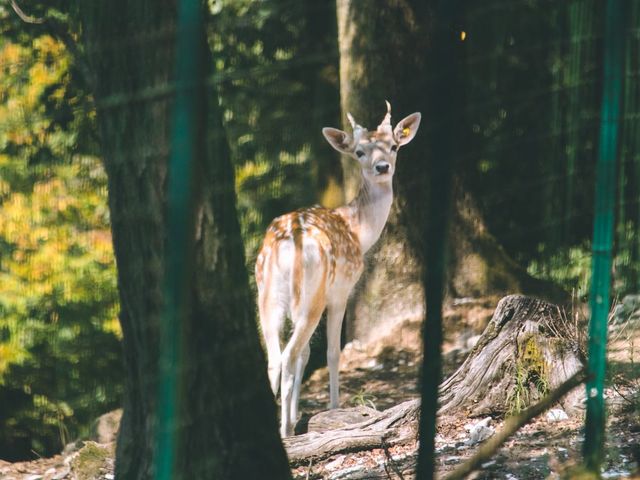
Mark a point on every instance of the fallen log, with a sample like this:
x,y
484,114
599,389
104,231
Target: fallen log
x,y
381,430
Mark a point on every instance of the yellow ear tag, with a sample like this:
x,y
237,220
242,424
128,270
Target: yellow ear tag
x,y
406,131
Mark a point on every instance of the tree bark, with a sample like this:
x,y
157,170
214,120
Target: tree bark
x,y
479,265
363,431
226,425
528,349
384,54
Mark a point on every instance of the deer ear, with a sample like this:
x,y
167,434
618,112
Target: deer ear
x,y
407,128
338,139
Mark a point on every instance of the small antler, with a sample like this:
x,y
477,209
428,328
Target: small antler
x,y
387,117
354,124
357,129
386,121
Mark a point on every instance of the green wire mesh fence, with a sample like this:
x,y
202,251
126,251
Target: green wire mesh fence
x,y
536,128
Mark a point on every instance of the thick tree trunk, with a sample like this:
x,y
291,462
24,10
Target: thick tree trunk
x,y
529,348
384,54
382,46
226,426
479,266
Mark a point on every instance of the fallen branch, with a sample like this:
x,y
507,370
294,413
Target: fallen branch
x,y
391,463
395,425
513,424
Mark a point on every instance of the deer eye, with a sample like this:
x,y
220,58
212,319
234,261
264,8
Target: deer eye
x,y
359,153
394,148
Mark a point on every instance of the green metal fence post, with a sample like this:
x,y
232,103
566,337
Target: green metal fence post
x,y
186,128
603,233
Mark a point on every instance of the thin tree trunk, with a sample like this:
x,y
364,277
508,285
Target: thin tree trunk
x,y
226,426
628,262
582,92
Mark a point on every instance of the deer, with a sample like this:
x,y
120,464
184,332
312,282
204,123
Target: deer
x,y
311,259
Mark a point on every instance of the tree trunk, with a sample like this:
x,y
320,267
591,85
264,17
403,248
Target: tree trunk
x,y
384,54
529,348
382,44
226,426
478,265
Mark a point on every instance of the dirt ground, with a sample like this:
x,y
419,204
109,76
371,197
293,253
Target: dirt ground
x,y
384,373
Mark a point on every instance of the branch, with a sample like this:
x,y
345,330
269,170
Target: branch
x,y
23,16
513,424
59,31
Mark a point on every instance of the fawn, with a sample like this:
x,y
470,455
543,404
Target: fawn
x,y
312,258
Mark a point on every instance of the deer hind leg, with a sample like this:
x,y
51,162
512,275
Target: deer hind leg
x,y
306,311
292,362
335,314
272,317
303,359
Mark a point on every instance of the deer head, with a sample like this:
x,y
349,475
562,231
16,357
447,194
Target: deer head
x,y
375,151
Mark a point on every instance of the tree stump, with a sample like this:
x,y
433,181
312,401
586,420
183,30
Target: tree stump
x,y
528,349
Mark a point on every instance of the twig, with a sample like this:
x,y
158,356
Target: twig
x,y
390,461
513,424
622,395
309,469
23,16
60,32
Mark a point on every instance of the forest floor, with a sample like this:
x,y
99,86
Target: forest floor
x,y
383,373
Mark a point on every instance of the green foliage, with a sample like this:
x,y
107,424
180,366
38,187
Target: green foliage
x,y
59,336
276,68
570,268
531,378
533,92
627,258
518,395
364,399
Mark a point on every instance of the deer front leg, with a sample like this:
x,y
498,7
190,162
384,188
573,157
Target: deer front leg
x,y
335,315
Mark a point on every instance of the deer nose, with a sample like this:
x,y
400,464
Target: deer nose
x,y
382,167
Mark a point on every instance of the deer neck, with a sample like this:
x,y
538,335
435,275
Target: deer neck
x,y
367,213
